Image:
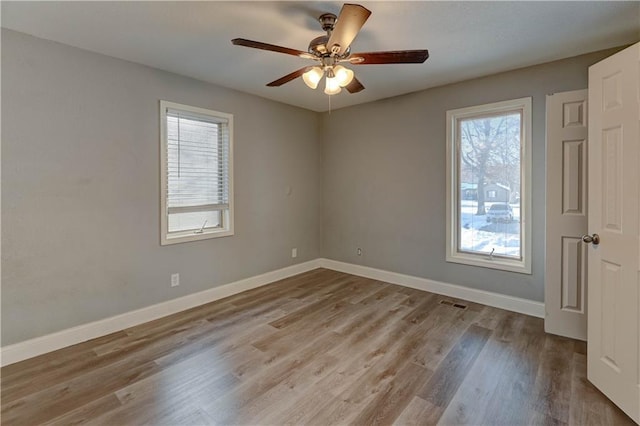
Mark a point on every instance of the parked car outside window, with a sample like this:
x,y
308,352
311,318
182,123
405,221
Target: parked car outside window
x,y
500,212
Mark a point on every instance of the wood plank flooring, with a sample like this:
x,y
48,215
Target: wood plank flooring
x,y
320,348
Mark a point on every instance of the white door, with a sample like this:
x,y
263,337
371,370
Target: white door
x,y
614,264
566,255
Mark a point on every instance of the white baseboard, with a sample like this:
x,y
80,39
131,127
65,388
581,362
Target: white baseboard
x,y
71,336
509,303
51,342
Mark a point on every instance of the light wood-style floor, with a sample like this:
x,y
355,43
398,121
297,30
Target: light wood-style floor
x,y
321,348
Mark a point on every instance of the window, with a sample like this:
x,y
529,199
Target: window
x,y
196,173
489,185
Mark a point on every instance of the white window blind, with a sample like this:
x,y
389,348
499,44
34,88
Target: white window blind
x,y
197,160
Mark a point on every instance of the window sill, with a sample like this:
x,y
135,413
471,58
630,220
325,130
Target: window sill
x,y
503,264
187,236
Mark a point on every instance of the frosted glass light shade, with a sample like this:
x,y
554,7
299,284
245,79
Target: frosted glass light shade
x,y
344,75
333,86
312,77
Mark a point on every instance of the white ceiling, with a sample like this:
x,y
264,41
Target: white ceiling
x,y
465,39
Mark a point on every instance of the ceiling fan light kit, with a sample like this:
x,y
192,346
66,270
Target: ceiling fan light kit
x,y
337,78
334,48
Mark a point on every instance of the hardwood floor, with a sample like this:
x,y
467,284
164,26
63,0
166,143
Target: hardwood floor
x,y
320,348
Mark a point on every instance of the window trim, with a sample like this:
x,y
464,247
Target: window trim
x,y
522,265
227,228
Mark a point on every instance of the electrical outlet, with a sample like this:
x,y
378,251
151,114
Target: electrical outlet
x,y
294,252
175,280
359,251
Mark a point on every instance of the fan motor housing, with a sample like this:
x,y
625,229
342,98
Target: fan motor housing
x,y
318,47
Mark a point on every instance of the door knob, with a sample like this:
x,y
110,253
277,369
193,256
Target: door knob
x,y
595,239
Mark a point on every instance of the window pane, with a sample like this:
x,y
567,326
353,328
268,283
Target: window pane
x,y
194,221
489,193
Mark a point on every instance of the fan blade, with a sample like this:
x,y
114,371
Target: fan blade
x,y
271,47
390,57
355,86
352,17
287,78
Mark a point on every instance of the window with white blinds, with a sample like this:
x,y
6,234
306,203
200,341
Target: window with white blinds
x,y
197,192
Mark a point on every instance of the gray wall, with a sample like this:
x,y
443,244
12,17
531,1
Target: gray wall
x,y
80,188
383,168
80,184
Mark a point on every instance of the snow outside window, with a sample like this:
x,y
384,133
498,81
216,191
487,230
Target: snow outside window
x,y
488,185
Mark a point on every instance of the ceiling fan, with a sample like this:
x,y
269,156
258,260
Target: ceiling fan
x,y
333,49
